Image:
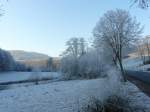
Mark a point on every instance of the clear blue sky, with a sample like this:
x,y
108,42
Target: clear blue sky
x,y
45,25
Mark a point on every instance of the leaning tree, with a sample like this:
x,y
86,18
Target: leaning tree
x,y
117,29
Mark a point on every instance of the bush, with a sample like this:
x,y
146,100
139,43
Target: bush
x,y
69,67
111,104
89,66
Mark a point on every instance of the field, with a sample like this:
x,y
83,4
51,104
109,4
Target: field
x,y
20,76
64,96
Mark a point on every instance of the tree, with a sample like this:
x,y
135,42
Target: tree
x,y
91,65
49,64
141,51
117,29
144,49
76,47
82,44
147,47
142,3
7,62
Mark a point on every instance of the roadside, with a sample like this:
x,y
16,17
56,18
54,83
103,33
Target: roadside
x,y
145,87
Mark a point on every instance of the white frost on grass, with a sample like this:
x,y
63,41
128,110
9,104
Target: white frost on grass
x,y
137,98
19,76
64,96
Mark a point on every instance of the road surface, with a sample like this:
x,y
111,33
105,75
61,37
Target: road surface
x,y
140,79
142,76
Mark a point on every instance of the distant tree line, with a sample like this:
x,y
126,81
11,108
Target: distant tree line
x,y
143,48
80,61
51,65
7,63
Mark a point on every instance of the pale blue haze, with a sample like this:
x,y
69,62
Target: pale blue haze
x,y
44,25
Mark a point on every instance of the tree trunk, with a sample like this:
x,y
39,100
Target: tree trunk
x,y
122,70
120,62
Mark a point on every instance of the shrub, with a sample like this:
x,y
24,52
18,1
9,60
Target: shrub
x,y
111,104
89,66
69,67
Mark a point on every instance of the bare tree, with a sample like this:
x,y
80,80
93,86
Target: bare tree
x,y
76,47
147,45
143,46
83,46
7,62
142,3
49,64
117,29
141,51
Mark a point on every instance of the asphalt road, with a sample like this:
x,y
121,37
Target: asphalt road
x,y
140,79
139,75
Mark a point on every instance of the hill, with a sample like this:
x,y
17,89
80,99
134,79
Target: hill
x,y
20,55
34,59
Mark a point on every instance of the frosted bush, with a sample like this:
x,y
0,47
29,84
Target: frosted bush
x,y
89,65
111,90
69,67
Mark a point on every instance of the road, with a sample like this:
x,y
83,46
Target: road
x,y
142,76
140,79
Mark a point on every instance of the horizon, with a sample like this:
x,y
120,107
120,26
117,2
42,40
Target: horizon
x,y
45,30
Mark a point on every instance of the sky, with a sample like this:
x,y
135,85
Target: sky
x,y
45,25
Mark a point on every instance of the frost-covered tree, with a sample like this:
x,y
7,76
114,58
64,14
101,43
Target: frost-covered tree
x,y
76,47
143,46
117,29
142,3
91,65
147,47
83,63
7,62
49,64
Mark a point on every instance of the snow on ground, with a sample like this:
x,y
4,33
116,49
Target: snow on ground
x,y
63,96
132,63
18,76
135,63
137,98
